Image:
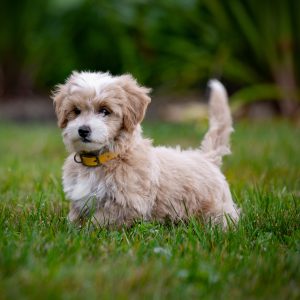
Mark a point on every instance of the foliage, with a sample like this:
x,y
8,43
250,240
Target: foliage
x,y
41,254
173,44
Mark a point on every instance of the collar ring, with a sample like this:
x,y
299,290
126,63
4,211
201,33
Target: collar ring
x,y
76,158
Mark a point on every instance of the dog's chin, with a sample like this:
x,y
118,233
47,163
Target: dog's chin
x,y
85,145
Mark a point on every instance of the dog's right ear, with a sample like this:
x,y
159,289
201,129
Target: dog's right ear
x,y
58,96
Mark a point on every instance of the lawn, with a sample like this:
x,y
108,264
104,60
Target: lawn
x,y
42,256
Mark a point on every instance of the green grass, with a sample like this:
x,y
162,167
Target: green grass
x,y
44,257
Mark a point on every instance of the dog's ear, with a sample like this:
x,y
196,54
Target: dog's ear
x,y
58,96
137,101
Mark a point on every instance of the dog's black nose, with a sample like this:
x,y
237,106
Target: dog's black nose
x,y
84,131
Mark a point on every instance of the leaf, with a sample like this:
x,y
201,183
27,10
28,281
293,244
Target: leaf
x,y
256,92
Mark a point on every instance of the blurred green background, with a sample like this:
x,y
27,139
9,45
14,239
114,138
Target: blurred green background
x,y
176,46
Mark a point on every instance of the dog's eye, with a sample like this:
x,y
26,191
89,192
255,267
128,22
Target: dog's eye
x,y
104,111
76,111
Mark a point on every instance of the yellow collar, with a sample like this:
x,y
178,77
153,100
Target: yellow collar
x,y
94,159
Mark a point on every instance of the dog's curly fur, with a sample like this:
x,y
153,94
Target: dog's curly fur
x,y
144,182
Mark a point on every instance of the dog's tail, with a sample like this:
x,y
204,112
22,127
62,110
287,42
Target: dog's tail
x,y
216,141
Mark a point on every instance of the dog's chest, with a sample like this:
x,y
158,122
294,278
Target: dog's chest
x,y
80,186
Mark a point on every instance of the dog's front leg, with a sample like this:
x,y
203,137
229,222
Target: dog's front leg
x,y
113,216
78,212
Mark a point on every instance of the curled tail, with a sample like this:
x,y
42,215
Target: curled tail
x,y
216,141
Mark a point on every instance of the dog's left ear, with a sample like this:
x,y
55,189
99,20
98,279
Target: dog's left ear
x,y
137,101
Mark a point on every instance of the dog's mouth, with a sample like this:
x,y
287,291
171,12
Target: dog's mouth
x,y
86,144
86,140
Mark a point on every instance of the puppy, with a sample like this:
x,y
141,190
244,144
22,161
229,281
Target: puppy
x,y
115,176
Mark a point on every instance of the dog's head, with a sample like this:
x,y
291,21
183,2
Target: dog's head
x,y
93,109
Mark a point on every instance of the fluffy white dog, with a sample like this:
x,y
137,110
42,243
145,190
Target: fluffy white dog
x,y
115,176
